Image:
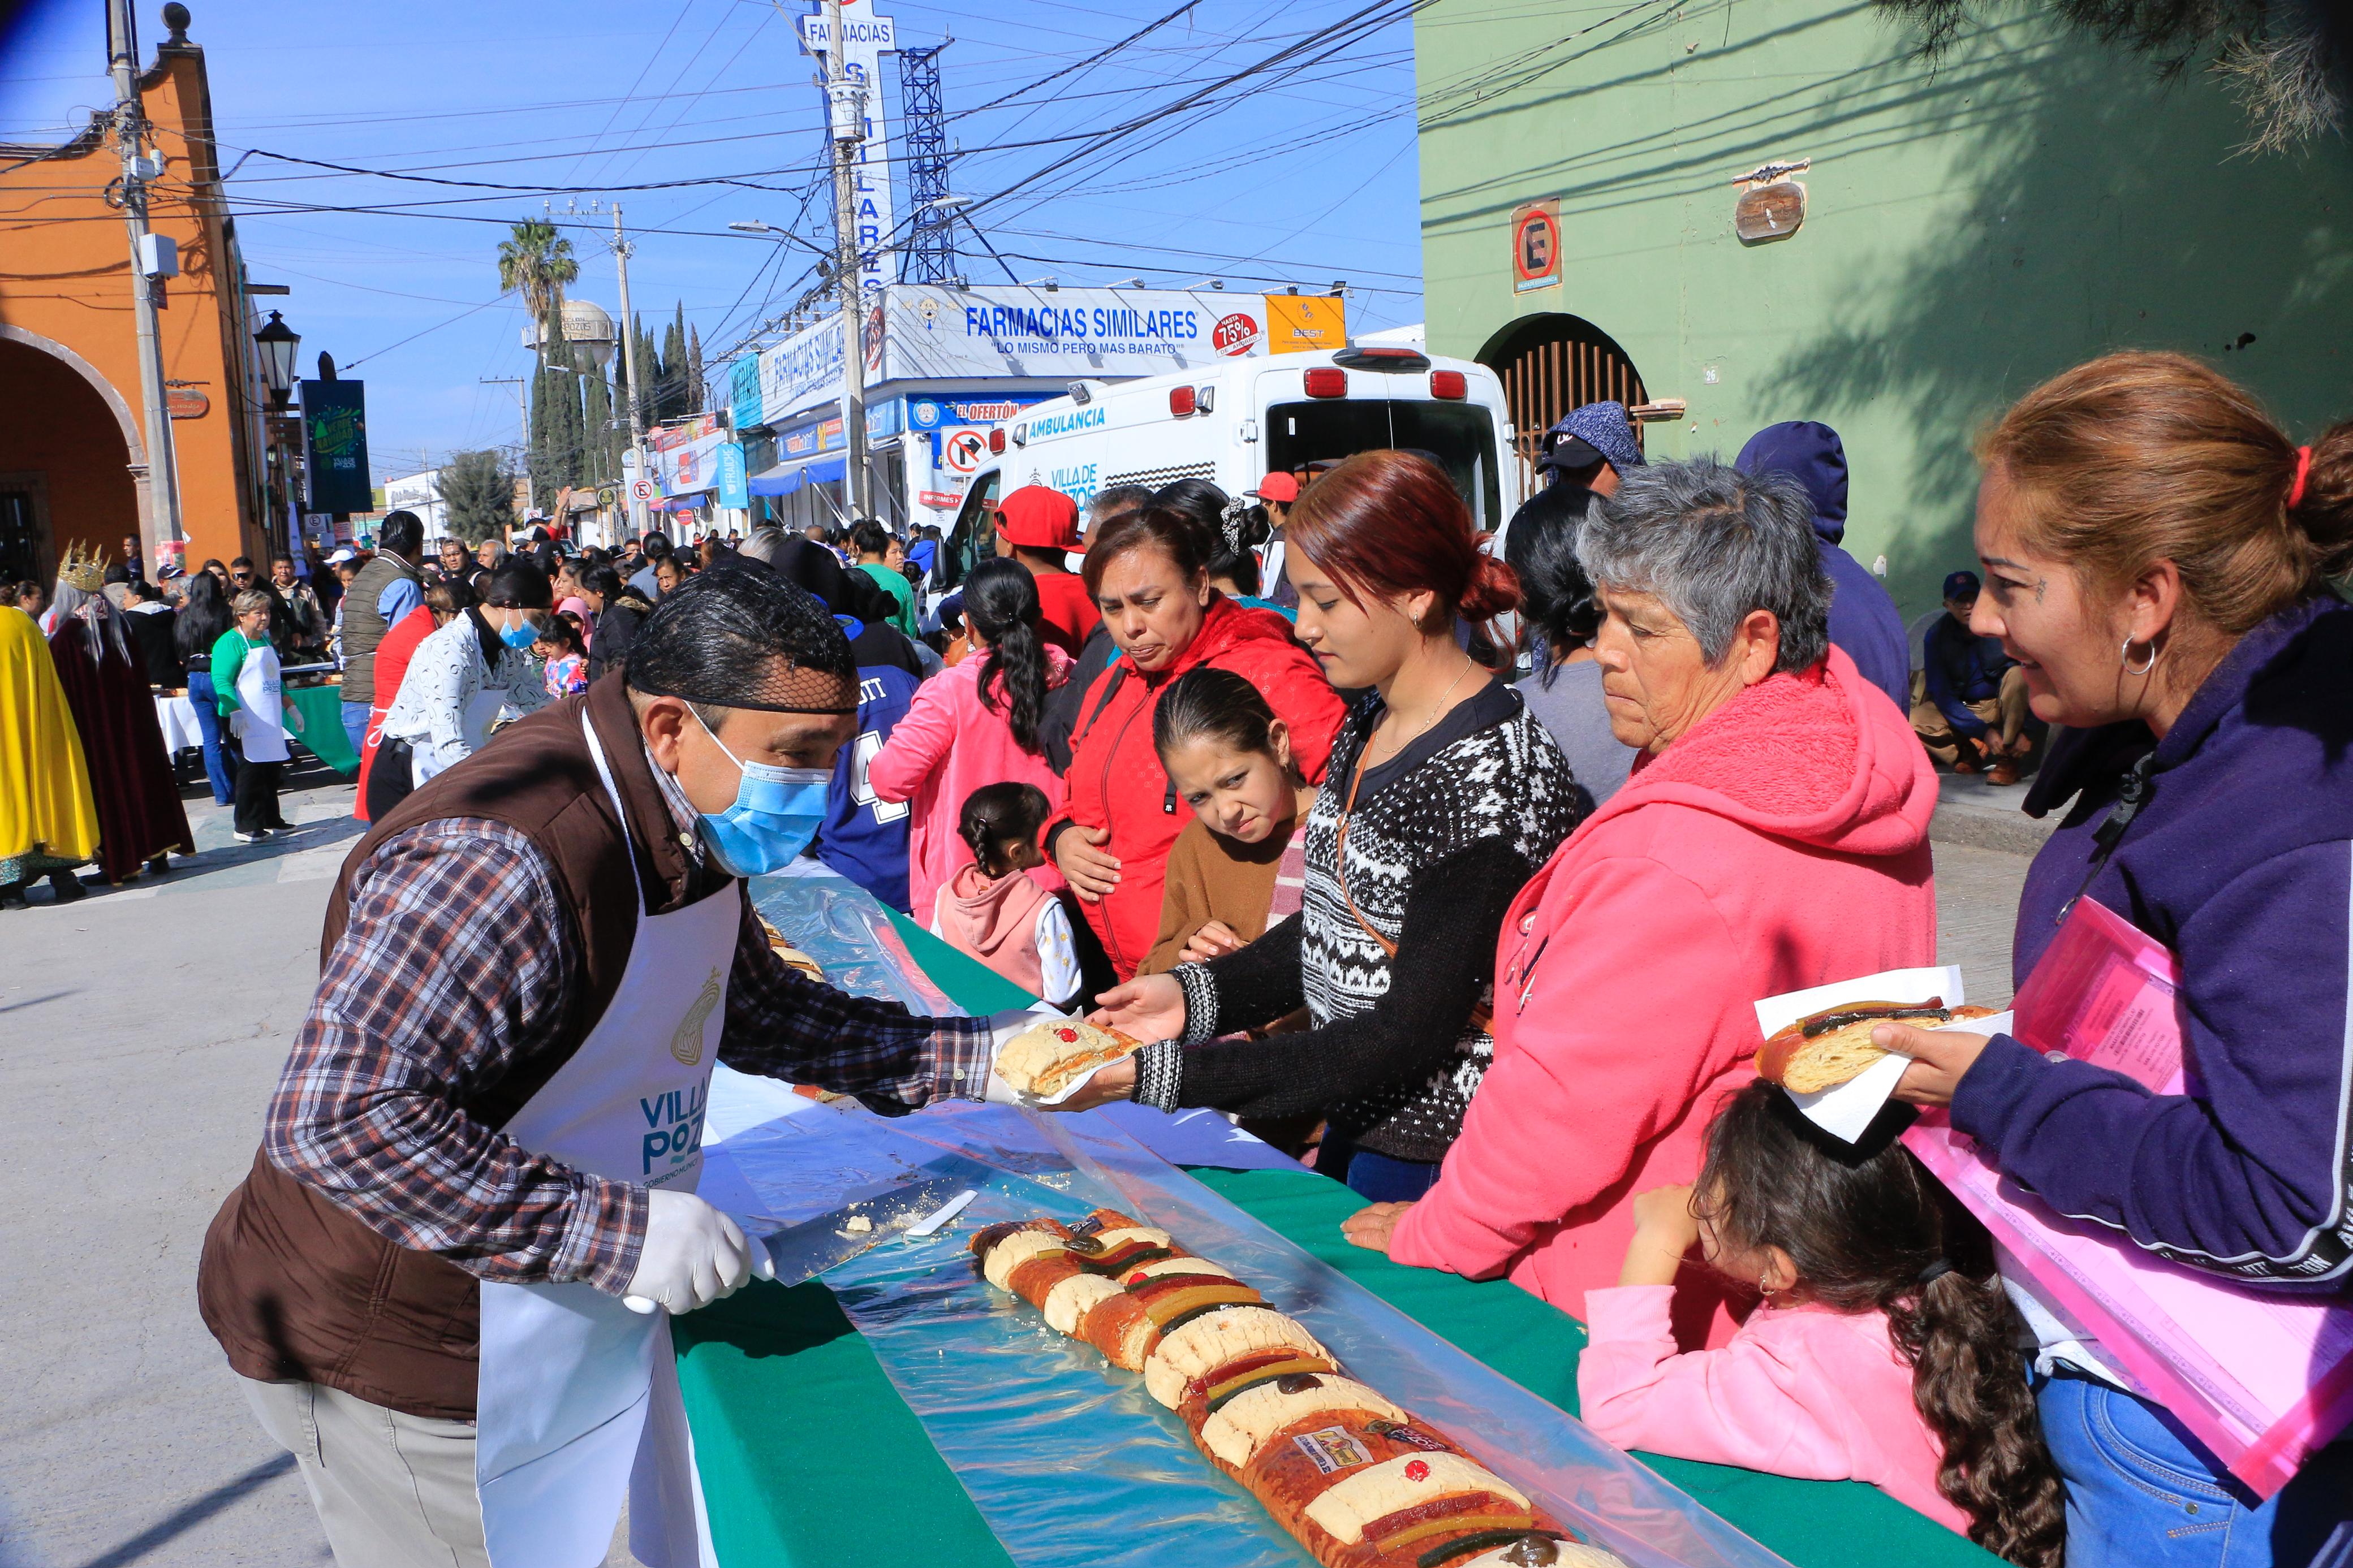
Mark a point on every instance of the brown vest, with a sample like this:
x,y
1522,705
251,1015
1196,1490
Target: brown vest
x,y
294,1286
362,628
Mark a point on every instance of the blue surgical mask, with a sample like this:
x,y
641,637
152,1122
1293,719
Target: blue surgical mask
x,y
775,817
520,634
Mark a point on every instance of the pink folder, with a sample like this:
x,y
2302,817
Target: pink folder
x,y
2263,1379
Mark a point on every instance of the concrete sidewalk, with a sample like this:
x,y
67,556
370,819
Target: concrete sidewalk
x,y
144,1029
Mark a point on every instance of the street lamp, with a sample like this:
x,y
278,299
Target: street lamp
x,y
277,342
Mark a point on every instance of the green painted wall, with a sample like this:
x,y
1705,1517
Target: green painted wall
x,y
2030,202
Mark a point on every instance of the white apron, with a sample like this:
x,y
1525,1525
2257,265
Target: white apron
x,y
572,1380
260,724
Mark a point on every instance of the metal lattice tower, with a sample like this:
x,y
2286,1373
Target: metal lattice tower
x,y
930,256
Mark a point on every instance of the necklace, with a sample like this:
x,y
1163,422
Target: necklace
x,y
1436,708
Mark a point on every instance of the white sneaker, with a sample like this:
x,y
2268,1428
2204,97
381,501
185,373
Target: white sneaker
x,y
250,838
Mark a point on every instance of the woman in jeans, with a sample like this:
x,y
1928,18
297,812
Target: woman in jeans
x,y
2156,557
203,621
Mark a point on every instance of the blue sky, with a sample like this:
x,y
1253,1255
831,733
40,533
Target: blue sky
x,y
1311,179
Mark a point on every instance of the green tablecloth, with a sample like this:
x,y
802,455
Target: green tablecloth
x,y
319,724
792,1414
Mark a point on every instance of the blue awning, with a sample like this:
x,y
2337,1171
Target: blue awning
x,y
785,477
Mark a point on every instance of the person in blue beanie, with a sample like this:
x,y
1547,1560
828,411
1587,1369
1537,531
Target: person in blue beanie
x,y
1863,619
2158,558
1972,707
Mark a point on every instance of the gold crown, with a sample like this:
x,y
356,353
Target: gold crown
x,y
83,570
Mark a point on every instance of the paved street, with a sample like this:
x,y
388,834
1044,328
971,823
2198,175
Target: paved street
x,y
144,1027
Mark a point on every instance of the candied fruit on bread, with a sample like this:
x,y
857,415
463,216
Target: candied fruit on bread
x,y
1213,1341
1041,1060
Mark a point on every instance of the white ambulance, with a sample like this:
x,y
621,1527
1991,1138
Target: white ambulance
x,y
1236,422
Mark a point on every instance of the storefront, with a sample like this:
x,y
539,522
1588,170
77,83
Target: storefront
x,y
944,367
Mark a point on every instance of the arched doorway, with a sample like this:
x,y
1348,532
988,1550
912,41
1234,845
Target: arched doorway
x,y
71,472
1553,363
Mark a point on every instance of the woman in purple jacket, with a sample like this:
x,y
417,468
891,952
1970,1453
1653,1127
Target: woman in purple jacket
x,y
2156,557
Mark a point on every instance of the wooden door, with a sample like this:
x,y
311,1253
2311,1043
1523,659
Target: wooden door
x,y
1550,364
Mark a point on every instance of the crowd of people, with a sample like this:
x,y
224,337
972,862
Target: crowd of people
x,y
1455,866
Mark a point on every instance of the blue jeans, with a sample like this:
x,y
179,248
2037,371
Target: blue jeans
x,y
218,771
2143,1493
1375,1178
356,718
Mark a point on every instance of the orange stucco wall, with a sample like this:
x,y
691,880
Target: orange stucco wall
x,y
66,280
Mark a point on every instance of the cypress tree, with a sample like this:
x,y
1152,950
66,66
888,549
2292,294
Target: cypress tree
x,y
695,391
598,469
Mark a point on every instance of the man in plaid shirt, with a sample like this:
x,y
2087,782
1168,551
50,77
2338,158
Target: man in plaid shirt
x,y
499,1082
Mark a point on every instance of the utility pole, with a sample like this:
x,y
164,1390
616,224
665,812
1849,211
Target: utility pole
x,y
522,412
628,330
846,106
146,274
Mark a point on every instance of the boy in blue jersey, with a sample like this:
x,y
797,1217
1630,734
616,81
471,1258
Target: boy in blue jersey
x,y
863,837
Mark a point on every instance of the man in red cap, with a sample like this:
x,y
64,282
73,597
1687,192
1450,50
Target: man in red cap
x,y
1035,525
1276,492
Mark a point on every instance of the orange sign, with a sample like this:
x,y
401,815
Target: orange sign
x,y
186,402
1303,323
1536,246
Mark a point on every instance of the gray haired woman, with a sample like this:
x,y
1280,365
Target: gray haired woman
x,y
1773,837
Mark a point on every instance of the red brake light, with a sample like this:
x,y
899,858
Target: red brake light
x,y
1327,380
1181,402
1449,384
997,439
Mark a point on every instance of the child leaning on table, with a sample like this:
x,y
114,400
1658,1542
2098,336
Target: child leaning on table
x,y
1885,1350
992,910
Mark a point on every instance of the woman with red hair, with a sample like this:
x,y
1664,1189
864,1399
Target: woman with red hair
x,y
1442,795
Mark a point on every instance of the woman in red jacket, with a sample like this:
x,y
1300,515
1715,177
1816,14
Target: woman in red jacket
x,y
1147,570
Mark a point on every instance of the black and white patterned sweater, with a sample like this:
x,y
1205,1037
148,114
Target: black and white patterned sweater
x,y
1460,822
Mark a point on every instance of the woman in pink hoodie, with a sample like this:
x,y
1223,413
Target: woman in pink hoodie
x,y
1772,836
971,724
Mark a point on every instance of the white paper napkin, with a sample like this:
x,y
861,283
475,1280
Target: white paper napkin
x,y
1844,1110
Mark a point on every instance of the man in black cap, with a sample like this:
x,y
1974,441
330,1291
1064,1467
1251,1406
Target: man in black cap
x,y
1971,710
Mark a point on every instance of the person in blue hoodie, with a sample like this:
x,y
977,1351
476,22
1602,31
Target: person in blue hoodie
x,y
1863,619
2157,559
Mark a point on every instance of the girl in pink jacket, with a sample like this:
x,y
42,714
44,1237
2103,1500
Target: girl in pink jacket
x,y
1885,1350
974,724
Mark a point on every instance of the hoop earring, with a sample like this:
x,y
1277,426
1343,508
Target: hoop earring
x,y
1763,1288
2126,655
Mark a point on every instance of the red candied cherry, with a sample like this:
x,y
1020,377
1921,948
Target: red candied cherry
x,y
1068,1036
1417,1471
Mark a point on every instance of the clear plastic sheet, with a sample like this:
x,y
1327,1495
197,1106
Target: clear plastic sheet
x,y
840,925
1051,1442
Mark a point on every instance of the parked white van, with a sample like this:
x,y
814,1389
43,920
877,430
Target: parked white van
x,y
1236,422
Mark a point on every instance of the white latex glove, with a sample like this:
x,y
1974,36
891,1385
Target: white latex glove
x,y
1002,1027
693,1255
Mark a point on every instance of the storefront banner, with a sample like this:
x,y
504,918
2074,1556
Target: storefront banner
x,y
1306,323
727,471
743,392
801,373
687,467
947,410
932,333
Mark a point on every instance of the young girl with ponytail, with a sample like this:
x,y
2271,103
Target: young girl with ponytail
x,y
975,723
1239,865
1885,1350
1442,797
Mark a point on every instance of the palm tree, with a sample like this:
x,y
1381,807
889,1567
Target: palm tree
x,y
537,262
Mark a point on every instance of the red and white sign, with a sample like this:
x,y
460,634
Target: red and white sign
x,y
964,449
938,500
1235,335
641,489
